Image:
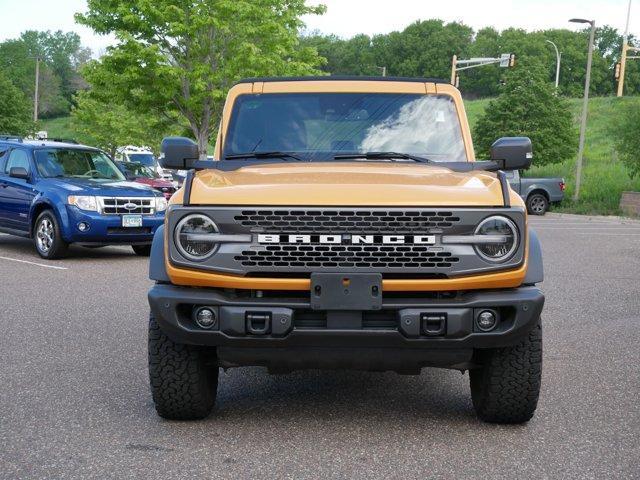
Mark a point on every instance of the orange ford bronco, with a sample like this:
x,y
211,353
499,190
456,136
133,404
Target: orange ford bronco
x,y
346,224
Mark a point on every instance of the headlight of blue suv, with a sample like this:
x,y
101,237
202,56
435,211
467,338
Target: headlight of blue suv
x,y
500,227
83,202
191,236
161,204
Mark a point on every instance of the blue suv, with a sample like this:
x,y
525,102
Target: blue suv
x,y
59,193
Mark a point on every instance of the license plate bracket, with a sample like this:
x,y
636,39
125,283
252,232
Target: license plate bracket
x,y
131,221
346,291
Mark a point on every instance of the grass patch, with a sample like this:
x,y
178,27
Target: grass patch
x,y
604,177
59,127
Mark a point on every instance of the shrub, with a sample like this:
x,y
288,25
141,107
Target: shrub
x,y
528,106
627,137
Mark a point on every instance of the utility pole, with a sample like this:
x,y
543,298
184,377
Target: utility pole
x,y
558,57
454,66
585,105
35,95
623,56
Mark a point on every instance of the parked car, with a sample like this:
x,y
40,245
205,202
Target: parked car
x,y
136,172
143,155
372,241
538,193
61,193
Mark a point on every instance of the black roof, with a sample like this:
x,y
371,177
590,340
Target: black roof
x,y
341,78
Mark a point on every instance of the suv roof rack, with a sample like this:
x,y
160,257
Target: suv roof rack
x,y
325,78
4,136
61,140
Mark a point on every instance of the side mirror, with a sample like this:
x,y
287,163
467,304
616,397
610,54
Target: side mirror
x,y
514,153
178,153
19,172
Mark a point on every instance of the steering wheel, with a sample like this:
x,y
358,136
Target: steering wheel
x,y
91,173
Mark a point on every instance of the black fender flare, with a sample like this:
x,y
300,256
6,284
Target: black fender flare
x,y
535,267
157,267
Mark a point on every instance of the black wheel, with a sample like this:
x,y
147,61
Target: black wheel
x,y
142,250
47,238
184,378
506,387
537,204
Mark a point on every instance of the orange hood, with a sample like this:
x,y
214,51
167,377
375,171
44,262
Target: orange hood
x,y
348,184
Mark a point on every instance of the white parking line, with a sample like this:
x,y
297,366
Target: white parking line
x,y
613,234
34,263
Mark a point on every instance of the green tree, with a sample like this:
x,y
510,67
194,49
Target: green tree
x,y
15,110
61,55
108,125
183,56
626,131
528,106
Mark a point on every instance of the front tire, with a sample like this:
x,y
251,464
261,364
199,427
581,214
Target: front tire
x,y
537,204
47,237
142,250
183,378
506,387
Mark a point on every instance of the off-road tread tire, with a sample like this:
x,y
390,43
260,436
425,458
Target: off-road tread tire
x,y
183,378
60,248
142,250
506,388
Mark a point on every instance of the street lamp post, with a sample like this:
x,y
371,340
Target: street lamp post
x,y
558,57
585,105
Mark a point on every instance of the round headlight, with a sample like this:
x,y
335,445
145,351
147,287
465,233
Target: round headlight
x,y
191,234
504,241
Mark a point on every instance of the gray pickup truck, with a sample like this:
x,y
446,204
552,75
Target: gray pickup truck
x,y
538,193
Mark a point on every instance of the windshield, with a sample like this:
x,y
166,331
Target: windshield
x,y
143,158
59,162
137,170
322,125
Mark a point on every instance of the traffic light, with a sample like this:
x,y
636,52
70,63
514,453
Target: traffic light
x,y
512,60
617,71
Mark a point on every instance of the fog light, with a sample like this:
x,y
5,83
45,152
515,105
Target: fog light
x,y
486,320
83,226
205,317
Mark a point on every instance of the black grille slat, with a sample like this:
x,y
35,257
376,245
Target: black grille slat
x,y
374,221
354,256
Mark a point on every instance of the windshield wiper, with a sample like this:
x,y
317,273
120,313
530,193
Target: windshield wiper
x,y
382,156
274,154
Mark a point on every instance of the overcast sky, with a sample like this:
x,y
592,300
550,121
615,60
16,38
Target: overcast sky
x,y
349,17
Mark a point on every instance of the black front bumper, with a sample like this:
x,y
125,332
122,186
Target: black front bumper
x,y
402,336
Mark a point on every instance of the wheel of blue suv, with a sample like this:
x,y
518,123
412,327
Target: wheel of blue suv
x,y
47,238
506,387
142,250
183,378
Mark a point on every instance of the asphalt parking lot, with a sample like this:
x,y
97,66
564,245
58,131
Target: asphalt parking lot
x,y
75,403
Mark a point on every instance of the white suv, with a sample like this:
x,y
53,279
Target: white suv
x,y
143,155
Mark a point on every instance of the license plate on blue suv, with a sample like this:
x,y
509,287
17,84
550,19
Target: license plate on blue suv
x,y
131,221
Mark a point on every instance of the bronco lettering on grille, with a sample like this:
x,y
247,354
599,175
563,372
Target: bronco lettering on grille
x,y
349,239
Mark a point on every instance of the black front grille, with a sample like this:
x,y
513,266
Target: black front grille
x,y
342,256
360,221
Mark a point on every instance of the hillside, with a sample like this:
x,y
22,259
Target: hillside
x,y
604,177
